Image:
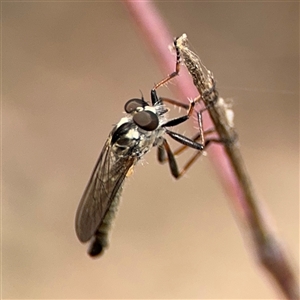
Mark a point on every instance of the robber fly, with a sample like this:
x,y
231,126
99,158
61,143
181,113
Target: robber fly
x,y
143,128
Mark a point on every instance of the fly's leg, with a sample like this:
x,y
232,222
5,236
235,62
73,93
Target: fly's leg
x,y
179,120
177,68
190,109
165,148
154,97
185,140
175,102
161,151
181,138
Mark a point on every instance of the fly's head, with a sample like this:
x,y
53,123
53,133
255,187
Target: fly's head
x,y
138,132
144,116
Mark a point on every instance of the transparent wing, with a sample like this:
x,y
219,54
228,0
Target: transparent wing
x,y
106,180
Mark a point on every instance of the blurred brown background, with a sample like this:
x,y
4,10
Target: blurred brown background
x,y
68,69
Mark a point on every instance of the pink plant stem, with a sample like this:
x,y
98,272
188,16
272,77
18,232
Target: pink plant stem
x,y
226,160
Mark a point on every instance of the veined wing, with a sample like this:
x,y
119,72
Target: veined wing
x,y
106,180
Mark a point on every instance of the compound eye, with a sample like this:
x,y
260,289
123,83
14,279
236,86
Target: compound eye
x,y
133,104
146,120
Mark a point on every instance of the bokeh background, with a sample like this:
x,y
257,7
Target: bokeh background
x,y
67,70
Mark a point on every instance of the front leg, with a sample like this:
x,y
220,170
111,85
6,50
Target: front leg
x,y
154,97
